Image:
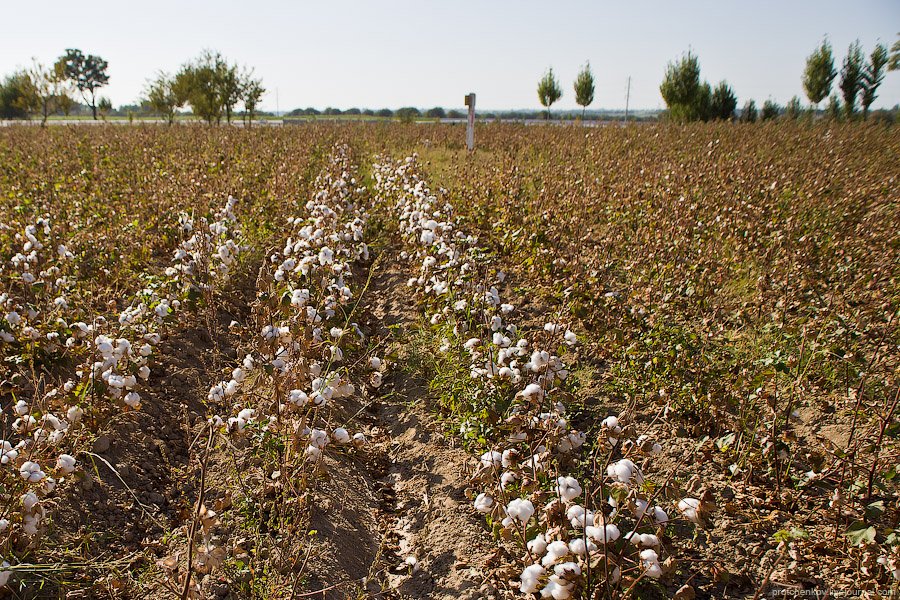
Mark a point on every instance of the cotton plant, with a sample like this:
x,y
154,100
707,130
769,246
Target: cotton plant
x,y
571,537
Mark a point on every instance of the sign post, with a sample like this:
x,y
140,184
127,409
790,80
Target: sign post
x,y
470,124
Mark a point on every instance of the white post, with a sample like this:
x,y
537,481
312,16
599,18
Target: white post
x,y
470,125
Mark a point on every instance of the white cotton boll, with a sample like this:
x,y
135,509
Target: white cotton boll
x,y
318,438
483,503
65,464
492,458
7,452
337,355
690,508
507,478
312,453
21,408
567,570
374,363
624,470
133,399
533,392
650,562
530,578
144,372
298,397
29,501
520,509
31,472
359,439
640,507
555,551
336,332
571,338
231,388
506,308
578,547
539,360
326,256
341,436
659,515
246,414
556,590
129,381
538,545
74,414
216,393
376,379
146,350
568,488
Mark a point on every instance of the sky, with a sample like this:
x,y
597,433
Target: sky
x,y
393,53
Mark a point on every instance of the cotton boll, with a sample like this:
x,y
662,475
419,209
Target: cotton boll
x,y
483,503
133,399
530,578
538,545
659,515
29,501
7,452
298,397
533,392
74,414
31,472
21,408
359,439
492,458
578,547
690,508
624,470
65,464
507,478
341,436
520,510
555,551
568,488
375,363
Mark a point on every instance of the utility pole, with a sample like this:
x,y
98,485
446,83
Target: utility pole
x,y
277,112
627,98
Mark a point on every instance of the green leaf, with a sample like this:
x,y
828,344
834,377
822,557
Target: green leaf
x,y
859,533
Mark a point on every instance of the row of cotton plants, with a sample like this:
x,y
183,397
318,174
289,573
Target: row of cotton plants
x,y
55,417
286,391
601,530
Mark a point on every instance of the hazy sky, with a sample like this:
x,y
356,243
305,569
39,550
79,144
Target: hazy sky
x,y
392,53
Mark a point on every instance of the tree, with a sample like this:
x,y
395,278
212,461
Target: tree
x,y
436,113
14,93
793,109
749,114
894,63
407,114
723,102
230,85
852,77
88,73
872,76
584,88
819,74
161,96
198,84
833,111
548,91
686,98
45,87
770,110
252,92
104,106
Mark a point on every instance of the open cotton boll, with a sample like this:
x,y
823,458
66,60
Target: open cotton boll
x,y
624,470
65,464
568,488
533,392
492,458
341,436
555,551
571,338
29,501
375,363
538,545
659,515
530,578
520,510
690,508
133,399
603,534
558,590
31,472
231,388
74,414
578,547
359,439
650,562
7,452
483,503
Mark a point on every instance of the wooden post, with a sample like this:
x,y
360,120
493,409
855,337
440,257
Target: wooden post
x,y
470,125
